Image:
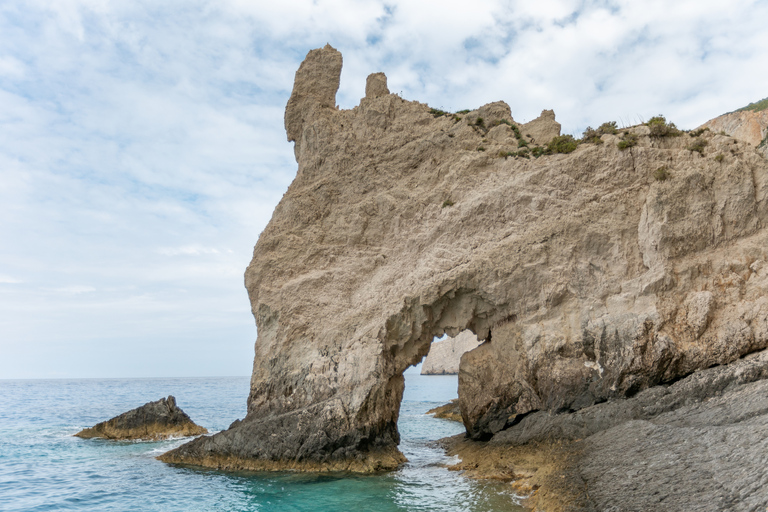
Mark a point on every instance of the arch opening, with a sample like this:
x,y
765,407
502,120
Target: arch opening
x,y
409,336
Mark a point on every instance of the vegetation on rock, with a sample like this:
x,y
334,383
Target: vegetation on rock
x,y
661,128
757,106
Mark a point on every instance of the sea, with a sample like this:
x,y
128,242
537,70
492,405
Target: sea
x,y
44,468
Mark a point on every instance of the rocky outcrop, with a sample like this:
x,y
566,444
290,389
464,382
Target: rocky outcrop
x,y
542,129
444,355
590,276
747,125
450,411
698,444
152,421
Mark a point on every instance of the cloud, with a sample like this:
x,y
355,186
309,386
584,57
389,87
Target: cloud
x,y
142,146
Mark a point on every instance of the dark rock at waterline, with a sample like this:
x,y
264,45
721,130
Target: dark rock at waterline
x,y
449,411
698,444
152,421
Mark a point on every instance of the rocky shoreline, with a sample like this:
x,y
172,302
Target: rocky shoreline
x,y
618,285
698,444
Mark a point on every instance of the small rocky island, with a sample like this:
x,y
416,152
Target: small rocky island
x,y
152,421
618,286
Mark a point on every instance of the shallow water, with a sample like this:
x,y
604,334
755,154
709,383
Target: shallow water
x,y
44,468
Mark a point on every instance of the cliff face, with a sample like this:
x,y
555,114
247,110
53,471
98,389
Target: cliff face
x,y
444,356
586,277
747,125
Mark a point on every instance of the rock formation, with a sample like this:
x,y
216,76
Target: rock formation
x,y
542,129
450,411
749,124
590,276
698,444
152,421
444,355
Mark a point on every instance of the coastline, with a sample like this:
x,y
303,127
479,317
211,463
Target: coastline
x,y
696,444
374,462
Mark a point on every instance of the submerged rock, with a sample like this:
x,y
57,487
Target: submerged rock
x,y
152,421
589,276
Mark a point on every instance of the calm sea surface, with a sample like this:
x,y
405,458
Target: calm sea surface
x,y
44,468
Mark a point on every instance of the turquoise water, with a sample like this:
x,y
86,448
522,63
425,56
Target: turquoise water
x,y
44,468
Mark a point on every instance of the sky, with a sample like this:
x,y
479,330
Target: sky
x,y
142,147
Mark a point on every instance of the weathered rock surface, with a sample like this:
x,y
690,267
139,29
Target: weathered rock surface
x,y
587,278
747,125
542,129
152,421
449,411
699,444
444,355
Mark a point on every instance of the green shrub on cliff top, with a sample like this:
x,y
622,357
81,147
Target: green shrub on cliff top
x,y
562,144
593,136
755,107
629,140
698,145
436,112
661,128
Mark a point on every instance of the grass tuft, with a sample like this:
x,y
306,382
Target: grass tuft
x,y
661,174
698,145
629,140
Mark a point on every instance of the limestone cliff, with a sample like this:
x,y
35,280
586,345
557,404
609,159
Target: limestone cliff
x,y
444,355
749,124
590,275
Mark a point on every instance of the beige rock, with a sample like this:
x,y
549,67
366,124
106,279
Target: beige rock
x,y
581,272
542,129
444,355
746,125
376,85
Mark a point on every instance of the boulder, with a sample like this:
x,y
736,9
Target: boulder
x,y
152,421
587,277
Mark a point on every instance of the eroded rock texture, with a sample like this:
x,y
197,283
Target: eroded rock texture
x,y
698,444
156,420
587,278
444,355
746,125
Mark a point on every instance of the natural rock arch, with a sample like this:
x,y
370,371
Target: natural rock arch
x,y
587,278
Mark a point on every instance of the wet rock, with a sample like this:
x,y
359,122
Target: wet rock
x,y
449,411
152,421
698,444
